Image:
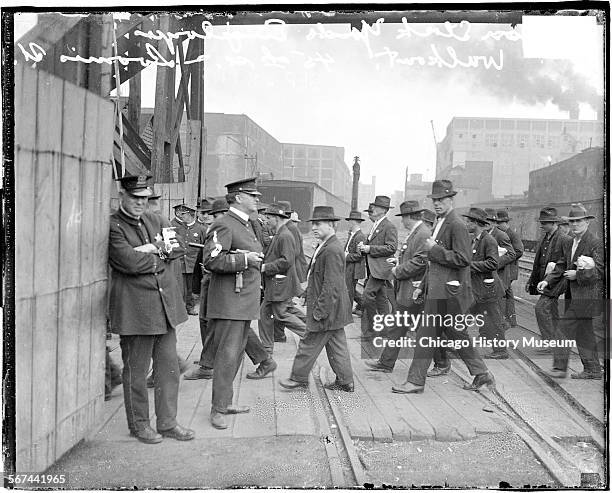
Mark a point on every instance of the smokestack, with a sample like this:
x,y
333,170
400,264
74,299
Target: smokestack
x,y
574,114
356,174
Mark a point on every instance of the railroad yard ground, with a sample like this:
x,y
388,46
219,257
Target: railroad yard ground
x,y
529,431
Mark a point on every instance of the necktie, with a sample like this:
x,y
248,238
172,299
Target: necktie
x,y
575,246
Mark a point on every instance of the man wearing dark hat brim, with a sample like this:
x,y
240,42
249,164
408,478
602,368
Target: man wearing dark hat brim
x,y
581,266
204,216
380,244
564,225
355,262
447,291
328,309
301,267
547,253
408,273
233,255
145,309
429,218
190,231
280,280
507,301
486,284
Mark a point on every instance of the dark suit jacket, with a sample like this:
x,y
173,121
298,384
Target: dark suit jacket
x,y
503,240
586,291
355,263
144,295
483,267
449,260
227,234
411,264
383,245
542,258
517,244
301,264
327,302
280,277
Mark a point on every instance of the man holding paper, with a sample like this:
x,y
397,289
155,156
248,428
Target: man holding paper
x,y
581,265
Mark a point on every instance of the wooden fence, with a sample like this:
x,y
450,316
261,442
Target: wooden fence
x,y
63,144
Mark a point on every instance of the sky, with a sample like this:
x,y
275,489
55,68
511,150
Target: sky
x,y
369,92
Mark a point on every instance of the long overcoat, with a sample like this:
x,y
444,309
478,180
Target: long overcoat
x,y
449,262
517,244
544,254
144,295
280,277
503,240
301,264
355,262
327,302
486,284
383,245
411,266
586,291
225,301
194,233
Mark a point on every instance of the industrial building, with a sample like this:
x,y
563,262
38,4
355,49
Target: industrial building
x,y
511,148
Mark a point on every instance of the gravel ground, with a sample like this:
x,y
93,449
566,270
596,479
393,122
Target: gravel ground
x,y
484,462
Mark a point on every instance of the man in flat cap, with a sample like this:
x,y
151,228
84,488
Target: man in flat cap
x,y
328,310
548,252
233,255
355,262
191,232
582,266
380,244
447,290
280,279
145,309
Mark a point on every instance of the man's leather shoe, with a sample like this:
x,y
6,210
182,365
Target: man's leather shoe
x,y
287,383
217,420
587,375
554,373
198,372
437,371
481,380
408,388
376,366
497,355
178,433
263,369
345,387
233,409
147,435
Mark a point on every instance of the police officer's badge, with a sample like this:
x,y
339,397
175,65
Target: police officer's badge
x,y
217,250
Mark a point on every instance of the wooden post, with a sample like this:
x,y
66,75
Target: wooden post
x,y
197,111
134,101
356,174
162,153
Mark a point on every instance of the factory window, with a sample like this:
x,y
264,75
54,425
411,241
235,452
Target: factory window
x,y
507,140
475,124
313,153
299,152
460,136
523,140
538,126
523,125
460,123
491,140
538,141
507,124
288,152
326,153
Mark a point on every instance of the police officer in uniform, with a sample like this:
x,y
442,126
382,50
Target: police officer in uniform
x,y
233,256
145,308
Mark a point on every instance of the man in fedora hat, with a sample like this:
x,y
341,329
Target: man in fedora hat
x,y
204,216
233,256
486,285
447,290
301,267
429,218
507,301
355,263
547,253
380,244
328,310
280,280
190,231
145,309
564,226
582,266
408,274
507,254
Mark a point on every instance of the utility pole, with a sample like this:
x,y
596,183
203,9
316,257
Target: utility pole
x,y
356,174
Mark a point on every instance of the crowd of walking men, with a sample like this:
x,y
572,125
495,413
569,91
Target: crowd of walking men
x,y
242,261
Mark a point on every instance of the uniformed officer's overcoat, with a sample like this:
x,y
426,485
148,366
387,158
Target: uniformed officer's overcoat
x,y
194,233
226,235
144,296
